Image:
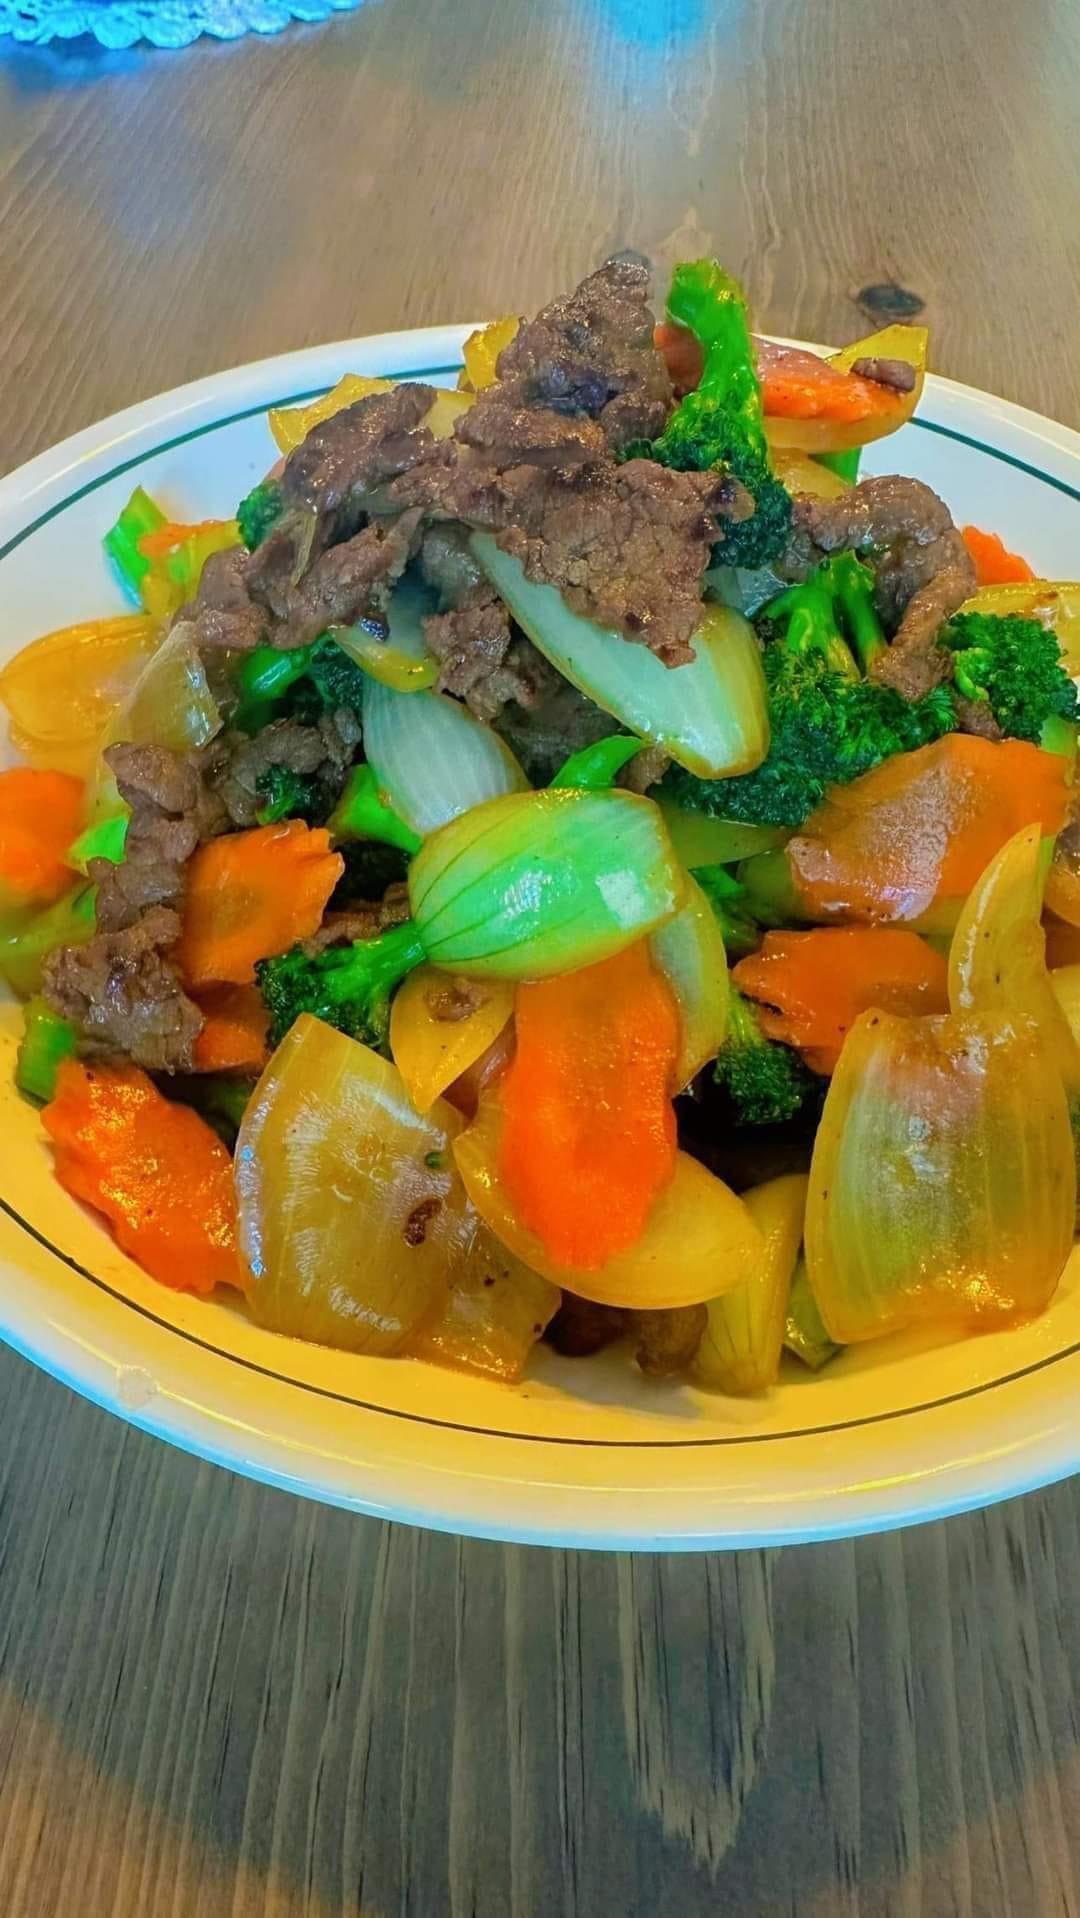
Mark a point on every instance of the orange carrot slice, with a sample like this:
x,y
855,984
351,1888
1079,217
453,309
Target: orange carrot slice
x,y
233,1038
994,564
905,843
40,815
589,1137
682,355
251,895
814,985
159,1174
797,385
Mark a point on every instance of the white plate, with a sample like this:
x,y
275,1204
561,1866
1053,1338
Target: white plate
x,y
583,1453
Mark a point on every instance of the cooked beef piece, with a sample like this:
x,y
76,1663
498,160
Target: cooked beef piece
x,y
125,995
363,921
479,661
897,374
356,451
346,583
234,764
922,568
223,613
484,660
974,716
554,720
581,1328
172,812
646,769
592,352
509,434
626,545
121,989
667,1341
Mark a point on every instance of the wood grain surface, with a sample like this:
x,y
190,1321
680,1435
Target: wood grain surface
x,y
218,1700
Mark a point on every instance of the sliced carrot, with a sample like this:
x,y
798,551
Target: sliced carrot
x,y
814,985
159,1174
233,1038
797,385
251,895
589,1137
682,354
905,843
40,815
994,564
163,540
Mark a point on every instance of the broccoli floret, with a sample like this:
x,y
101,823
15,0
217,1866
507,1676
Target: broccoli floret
x,y
741,931
347,986
720,423
258,512
1014,666
305,681
332,680
289,795
765,1081
828,725
702,433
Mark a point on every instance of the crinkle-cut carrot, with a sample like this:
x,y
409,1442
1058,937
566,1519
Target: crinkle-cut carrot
x,y
233,1038
589,1135
813,985
994,564
797,385
907,841
159,1174
251,895
40,815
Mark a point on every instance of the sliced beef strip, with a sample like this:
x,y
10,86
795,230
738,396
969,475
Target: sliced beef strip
x,y
550,720
898,375
233,764
581,1327
172,812
362,921
120,988
922,568
626,545
358,450
509,434
125,994
223,613
592,352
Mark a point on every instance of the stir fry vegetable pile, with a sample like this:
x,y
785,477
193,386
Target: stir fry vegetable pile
x,y
569,860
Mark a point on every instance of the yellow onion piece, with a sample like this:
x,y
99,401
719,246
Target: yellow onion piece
x,y
445,409
698,1239
689,951
492,1316
1065,981
353,1219
170,703
61,690
292,424
440,1026
943,1183
740,1346
997,959
482,348
802,474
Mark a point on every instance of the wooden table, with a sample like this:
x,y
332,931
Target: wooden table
x,y
215,1699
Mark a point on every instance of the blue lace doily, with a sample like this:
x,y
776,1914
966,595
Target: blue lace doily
x,y
164,23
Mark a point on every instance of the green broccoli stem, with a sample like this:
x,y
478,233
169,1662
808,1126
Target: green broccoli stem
x,y
46,1042
712,305
105,840
265,676
740,930
362,813
852,585
25,946
1058,735
811,626
845,465
595,766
